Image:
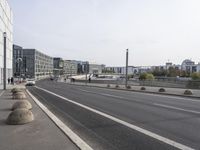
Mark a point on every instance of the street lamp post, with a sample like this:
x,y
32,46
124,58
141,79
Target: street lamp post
x,y
19,60
4,69
86,72
126,83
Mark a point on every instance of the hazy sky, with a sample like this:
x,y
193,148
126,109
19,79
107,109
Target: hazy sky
x,y
100,31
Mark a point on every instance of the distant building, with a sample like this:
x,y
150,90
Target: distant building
x,y
122,70
70,67
83,67
168,65
96,68
189,66
31,63
58,66
198,67
74,67
6,25
18,62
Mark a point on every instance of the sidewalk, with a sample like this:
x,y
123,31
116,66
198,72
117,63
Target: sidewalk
x,y
149,89
41,134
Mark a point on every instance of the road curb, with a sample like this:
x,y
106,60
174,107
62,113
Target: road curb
x,y
149,92
64,128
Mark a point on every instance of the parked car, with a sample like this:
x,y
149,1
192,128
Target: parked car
x,y
30,82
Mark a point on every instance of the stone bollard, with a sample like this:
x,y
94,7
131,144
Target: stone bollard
x,y
19,95
188,92
161,90
143,88
20,116
15,90
22,104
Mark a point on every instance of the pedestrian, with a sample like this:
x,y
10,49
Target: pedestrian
x,y
8,80
12,80
89,80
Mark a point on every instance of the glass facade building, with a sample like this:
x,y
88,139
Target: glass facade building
x,y
74,67
58,66
38,65
6,25
31,63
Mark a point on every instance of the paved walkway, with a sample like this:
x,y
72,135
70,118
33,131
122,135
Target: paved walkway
x,y
41,134
149,89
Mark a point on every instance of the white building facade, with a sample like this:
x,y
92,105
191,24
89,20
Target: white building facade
x,y
122,70
96,68
70,67
6,25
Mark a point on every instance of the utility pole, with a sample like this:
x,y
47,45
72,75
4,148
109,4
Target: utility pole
x,y
126,83
86,72
4,69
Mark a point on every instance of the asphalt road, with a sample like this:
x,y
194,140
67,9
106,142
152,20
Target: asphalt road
x,y
172,117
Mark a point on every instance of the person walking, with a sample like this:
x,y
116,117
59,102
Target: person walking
x,y
8,80
12,80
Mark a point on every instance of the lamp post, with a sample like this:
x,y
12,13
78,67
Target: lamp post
x,y
4,68
86,71
126,83
19,60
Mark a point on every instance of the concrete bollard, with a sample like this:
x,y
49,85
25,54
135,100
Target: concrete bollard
x,y
19,95
15,90
161,90
20,116
22,104
188,92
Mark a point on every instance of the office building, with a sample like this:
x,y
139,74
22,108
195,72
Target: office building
x,y
18,62
6,25
58,66
122,70
96,68
70,67
31,63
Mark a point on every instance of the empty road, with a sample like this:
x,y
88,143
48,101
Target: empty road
x,y
173,118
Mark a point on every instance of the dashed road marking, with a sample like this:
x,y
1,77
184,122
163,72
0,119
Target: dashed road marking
x,y
176,108
134,127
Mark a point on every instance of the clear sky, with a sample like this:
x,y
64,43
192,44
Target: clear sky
x,y
100,31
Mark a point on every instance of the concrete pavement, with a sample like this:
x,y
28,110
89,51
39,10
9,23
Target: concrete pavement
x,y
41,134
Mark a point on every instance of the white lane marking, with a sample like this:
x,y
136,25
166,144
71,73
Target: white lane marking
x,y
176,108
2,93
134,127
110,95
74,137
104,94
172,97
85,91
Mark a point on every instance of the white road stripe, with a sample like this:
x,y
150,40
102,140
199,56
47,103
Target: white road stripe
x,y
85,91
74,137
172,97
144,131
176,108
109,95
